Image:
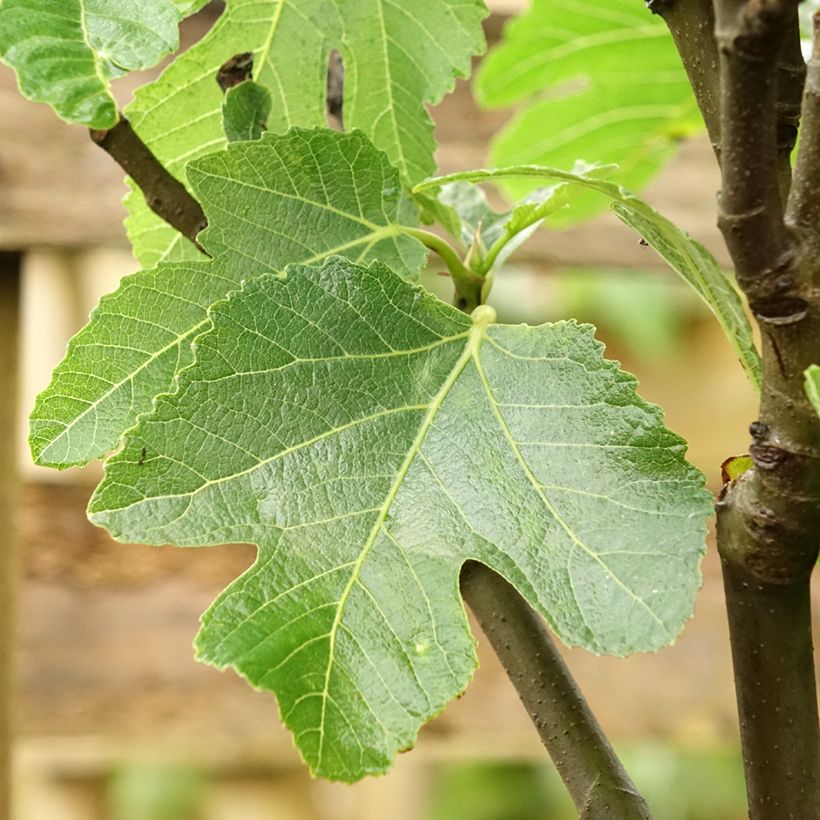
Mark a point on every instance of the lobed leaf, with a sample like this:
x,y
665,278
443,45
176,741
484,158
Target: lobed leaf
x,y
294,198
599,80
683,254
65,53
370,439
397,57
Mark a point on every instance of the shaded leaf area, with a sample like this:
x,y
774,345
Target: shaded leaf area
x,y
694,263
66,53
397,57
599,81
245,111
370,439
293,198
813,386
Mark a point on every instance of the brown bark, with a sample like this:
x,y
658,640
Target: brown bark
x,y
594,777
769,520
165,195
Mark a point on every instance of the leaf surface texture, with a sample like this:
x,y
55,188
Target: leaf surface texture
x,y
370,439
66,52
299,197
397,57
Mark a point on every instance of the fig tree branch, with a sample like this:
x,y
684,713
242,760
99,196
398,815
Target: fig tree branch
x,y
803,208
164,194
594,777
791,76
769,519
692,24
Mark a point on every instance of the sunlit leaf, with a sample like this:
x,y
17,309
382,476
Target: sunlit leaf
x,y
599,81
397,57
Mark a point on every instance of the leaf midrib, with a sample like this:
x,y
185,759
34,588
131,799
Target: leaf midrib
x,y
474,337
531,478
287,451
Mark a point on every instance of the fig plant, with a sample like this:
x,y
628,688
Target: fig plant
x,y
277,375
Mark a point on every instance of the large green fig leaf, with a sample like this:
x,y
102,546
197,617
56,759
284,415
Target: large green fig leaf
x,y
397,57
600,81
688,258
298,197
65,52
370,439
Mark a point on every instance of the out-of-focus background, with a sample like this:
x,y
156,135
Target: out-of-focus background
x,y
115,719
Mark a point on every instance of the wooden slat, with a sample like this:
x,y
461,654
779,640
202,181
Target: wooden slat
x,y
9,310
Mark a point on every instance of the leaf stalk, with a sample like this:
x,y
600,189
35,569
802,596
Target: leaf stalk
x,y
469,285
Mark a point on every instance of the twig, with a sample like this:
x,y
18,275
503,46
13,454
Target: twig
x,y
803,207
589,767
165,195
692,23
770,629
750,38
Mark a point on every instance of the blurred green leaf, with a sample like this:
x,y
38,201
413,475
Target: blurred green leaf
x,y
813,386
66,52
599,81
152,791
498,791
643,310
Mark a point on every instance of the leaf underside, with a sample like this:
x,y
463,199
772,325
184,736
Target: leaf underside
x,y
299,197
370,439
66,53
599,81
397,57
